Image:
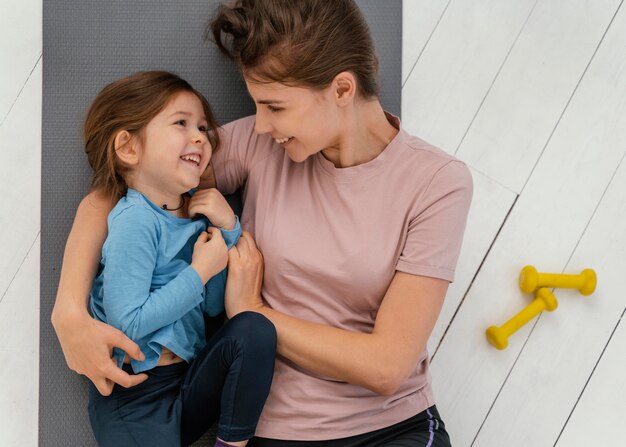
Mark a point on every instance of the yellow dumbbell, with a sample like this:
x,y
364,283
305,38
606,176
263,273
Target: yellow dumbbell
x,y
544,300
530,279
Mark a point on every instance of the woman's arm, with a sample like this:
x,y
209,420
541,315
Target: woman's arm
x,y
87,343
380,361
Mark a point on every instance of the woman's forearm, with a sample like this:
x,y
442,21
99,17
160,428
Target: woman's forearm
x,y
380,361
87,343
357,358
82,255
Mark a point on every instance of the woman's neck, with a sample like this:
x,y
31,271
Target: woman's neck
x,y
366,132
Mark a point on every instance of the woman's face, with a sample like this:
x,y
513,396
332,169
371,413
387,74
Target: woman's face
x,y
302,120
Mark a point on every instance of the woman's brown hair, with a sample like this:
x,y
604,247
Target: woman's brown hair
x,y
299,42
129,104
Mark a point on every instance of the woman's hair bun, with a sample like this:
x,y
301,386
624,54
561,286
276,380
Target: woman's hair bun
x,y
301,42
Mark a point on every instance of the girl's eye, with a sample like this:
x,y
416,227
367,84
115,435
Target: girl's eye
x,y
203,128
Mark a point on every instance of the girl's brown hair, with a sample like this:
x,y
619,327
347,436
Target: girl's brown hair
x,y
300,42
129,104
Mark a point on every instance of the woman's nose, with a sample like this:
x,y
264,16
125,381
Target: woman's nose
x,y
262,124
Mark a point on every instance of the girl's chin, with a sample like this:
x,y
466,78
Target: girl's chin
x,y
190,184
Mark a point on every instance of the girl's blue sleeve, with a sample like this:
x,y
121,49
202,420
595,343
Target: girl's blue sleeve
x,y
130,255
231,237
215,287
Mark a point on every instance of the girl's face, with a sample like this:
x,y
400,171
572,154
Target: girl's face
x,y
175,149
302,120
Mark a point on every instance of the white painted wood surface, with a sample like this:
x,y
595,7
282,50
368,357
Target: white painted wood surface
x,y
559,357
599,414
19,374
20,47
523,395
592,136
419,20
458,66
20,174
20,156
533,88
503,84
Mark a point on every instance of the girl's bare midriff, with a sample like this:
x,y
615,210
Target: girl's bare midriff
x,y
167,358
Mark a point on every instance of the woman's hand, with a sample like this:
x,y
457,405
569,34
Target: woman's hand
x,y
245,277
88,345
212,204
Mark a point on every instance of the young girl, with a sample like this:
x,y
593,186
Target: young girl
x,y
148,138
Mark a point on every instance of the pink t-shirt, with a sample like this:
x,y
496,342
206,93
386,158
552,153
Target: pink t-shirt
x,y
332,240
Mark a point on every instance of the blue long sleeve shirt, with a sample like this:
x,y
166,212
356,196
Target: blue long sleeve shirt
x,y
146,286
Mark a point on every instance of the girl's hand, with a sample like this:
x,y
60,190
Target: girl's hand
x,y
210,254
212,204
88,346
245,277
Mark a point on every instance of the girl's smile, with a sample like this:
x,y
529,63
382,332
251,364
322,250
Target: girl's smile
x,y
174,150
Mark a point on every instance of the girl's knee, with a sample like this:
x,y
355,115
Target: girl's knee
x,y
254,328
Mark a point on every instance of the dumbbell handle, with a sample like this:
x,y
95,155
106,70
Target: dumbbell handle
x,y
544,300
530,279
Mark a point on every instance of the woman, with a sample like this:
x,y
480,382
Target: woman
x,y
360,226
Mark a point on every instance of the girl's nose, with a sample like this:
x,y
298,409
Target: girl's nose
x,y
200,137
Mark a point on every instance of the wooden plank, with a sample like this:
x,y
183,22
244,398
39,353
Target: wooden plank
x,y
533,88
19,320
599,415
20,48
490,206
544,228
565,345
419,19
458,65
20,164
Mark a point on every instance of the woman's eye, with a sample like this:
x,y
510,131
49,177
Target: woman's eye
x,y
181,122
274,109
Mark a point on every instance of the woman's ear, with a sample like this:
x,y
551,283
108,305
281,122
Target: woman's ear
x,y
344,87
127,148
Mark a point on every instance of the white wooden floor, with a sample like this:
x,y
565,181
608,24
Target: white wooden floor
x,y
532,95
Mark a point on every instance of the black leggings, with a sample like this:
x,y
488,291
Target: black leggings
x,y
425,429
230,379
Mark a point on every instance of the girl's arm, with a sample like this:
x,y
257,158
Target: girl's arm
x,y
87,343
380,361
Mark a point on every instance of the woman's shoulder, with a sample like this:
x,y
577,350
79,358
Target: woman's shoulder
x,y
239,140
241,125
432,161
239,131
426,150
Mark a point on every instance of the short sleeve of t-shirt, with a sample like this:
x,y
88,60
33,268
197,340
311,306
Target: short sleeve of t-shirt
x,y
241,150
435,233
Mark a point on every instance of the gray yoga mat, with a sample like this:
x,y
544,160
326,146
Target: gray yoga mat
x,y
87,44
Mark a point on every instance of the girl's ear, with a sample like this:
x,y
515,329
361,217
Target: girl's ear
x,y
127,148
344,87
